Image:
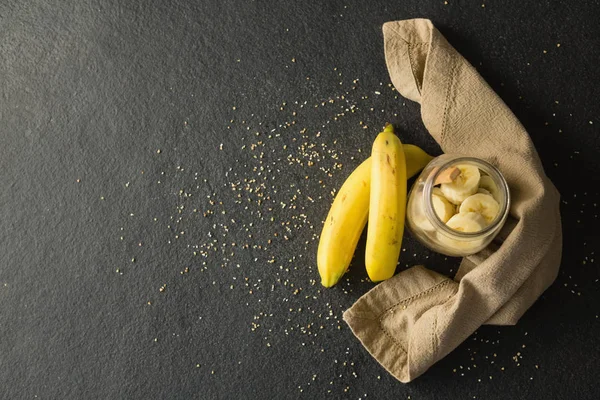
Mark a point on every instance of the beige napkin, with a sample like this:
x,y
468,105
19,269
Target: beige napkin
x,y
419,316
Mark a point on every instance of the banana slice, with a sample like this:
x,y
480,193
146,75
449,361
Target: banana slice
x,y
437,191
487,183
423,223
463,186
443,208
464,222
483,204
467,222
483,191
416,210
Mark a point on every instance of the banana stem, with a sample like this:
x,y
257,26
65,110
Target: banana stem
x,y
389,128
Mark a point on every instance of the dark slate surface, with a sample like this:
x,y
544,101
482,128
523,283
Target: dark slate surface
x,y
122,125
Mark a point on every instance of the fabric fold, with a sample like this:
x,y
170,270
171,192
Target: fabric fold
x,y
414,319
377,318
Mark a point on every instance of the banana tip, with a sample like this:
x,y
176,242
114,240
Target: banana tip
x,y
331,280
327,284
376,278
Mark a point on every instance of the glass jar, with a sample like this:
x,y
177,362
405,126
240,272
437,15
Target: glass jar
x,y
425,224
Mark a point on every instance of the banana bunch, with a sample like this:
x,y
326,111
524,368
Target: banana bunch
x,y
376,190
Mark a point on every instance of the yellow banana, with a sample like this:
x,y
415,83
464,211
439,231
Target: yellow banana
x,y
348,216
387,205
416,159
344,224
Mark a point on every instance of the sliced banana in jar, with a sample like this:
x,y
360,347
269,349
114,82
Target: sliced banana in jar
x,y
487,183
466,223
462,186
442,207
417,210
423,223
482,204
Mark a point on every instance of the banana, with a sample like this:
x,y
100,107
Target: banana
x,y
344,225
437,191
464,185
422,222
348,216
443,208
387,205
487,183
464,222
483,204
416,159
416,210
467,222
482,190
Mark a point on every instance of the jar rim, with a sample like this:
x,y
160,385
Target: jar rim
x,y
487,168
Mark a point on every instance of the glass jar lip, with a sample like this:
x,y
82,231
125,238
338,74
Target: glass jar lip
x,y
490,170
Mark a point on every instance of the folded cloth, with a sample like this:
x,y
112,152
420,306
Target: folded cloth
x,y
417,317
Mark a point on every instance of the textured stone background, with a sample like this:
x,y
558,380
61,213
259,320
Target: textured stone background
x,y
165,168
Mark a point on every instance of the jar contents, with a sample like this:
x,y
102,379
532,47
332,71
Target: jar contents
x,y
457,207
463,204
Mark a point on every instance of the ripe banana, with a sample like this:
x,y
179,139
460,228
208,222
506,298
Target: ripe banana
x,y
387,205
483,204
348,216
416,159
344,224
463,186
